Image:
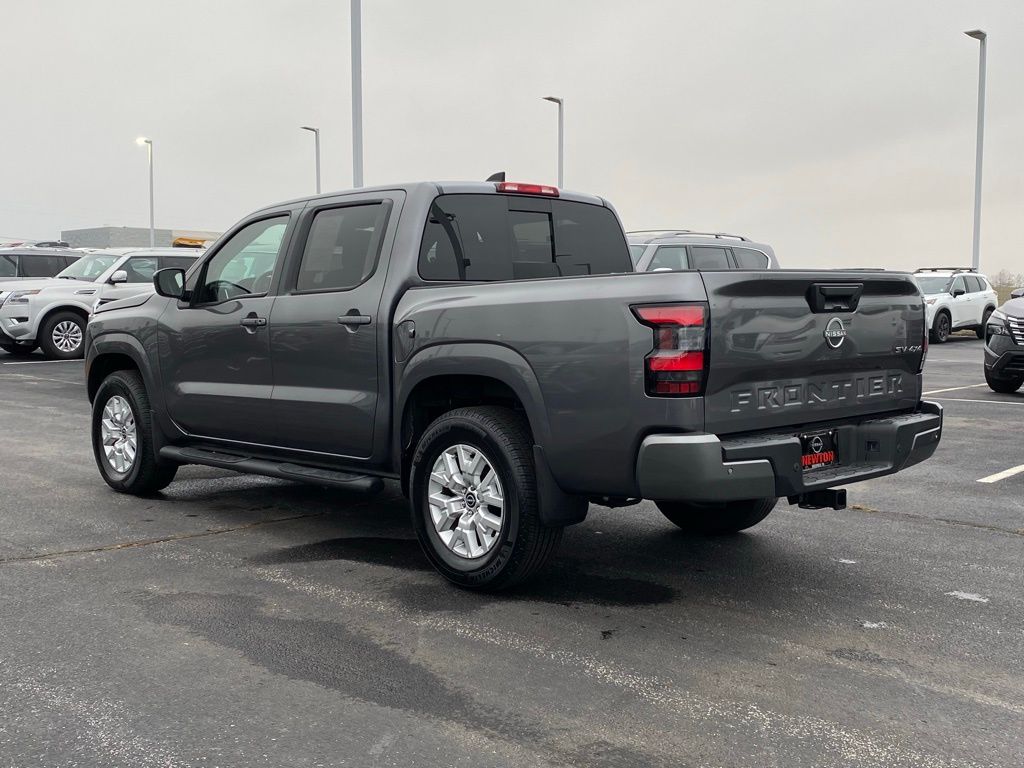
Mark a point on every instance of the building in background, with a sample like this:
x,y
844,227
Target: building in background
x,y
127,237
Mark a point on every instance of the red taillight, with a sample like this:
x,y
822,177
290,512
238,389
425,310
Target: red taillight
x,y
676,364
516,188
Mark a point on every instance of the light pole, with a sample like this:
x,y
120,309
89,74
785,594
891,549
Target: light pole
x,y
981,37
561,135
316,136
357,95
148,143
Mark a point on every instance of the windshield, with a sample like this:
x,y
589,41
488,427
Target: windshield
x,y
933,283
635,252
89,267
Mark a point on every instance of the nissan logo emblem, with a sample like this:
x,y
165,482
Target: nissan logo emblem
x,y
817,444
835,333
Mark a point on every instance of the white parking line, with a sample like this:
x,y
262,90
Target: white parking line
x,y
990,402
41,362
953,389
1002,475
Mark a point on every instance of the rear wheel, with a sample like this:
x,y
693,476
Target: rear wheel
x,y
716,517
984,324
1005,386
18,350
122,437
474,499
62,336
942,327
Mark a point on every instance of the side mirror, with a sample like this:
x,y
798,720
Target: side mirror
x,y
1017,293
170,282
958,292
121,276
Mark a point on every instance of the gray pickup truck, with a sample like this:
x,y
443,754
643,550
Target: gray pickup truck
x,y
487,346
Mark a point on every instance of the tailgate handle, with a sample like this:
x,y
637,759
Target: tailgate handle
x,y
834,297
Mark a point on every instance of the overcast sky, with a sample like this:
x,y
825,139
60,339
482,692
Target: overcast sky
x,y
842,133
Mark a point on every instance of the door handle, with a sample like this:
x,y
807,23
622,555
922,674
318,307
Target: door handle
x,y
253,322
354,319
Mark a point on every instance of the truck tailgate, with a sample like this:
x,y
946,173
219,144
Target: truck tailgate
x,y
789,348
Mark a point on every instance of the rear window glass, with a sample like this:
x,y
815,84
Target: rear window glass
x,y
705,257
341,250
973,284
500,237
41,266
177,262
8,266
750,259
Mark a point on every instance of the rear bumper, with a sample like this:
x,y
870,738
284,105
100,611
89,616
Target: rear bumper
x,y
704,468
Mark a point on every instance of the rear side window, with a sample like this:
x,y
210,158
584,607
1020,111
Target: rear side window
x,y
669,257
8,266
973,284
342,247
499,237
176,262
707,257
141,269
747,258
41,266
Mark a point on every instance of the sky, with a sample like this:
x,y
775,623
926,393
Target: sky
x,y
841,133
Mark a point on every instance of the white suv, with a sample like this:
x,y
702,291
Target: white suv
x,y
955,300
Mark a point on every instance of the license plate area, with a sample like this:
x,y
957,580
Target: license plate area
x,y
818,449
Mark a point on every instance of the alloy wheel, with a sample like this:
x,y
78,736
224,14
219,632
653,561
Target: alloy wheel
x,y
466,501
67,336
118,434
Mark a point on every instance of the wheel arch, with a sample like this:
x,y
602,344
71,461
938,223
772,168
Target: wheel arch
x,y
453,375
116,352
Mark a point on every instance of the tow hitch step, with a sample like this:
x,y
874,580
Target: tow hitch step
x,y
829,497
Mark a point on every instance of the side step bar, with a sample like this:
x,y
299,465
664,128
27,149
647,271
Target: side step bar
x,y
281,470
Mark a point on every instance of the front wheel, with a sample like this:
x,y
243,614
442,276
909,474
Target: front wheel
x,y
942,327
122,437
716,517
62,336
1004,386
984,324
474,499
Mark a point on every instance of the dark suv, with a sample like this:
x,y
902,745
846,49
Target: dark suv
x,y
1004,347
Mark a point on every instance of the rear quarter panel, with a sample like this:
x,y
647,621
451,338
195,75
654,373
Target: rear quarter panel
x,y
586,350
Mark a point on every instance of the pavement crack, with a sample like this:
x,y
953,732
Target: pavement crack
x,y
158,540
944,520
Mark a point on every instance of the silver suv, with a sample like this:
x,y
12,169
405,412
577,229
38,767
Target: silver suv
x,y
51,314
673,249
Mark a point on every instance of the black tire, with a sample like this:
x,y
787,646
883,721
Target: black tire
x,y
1004,386
523,545
18,350
942,326
984,324
145,475
716,518
51,351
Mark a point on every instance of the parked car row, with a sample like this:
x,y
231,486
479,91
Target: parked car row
x,y
491,347
51,313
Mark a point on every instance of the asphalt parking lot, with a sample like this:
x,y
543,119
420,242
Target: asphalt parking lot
x,y
241,621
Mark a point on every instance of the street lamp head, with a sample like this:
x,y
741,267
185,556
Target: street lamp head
x,y
143,141
977,34
309,128
553,99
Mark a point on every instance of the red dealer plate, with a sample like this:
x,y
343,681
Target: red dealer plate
x,y
818,449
